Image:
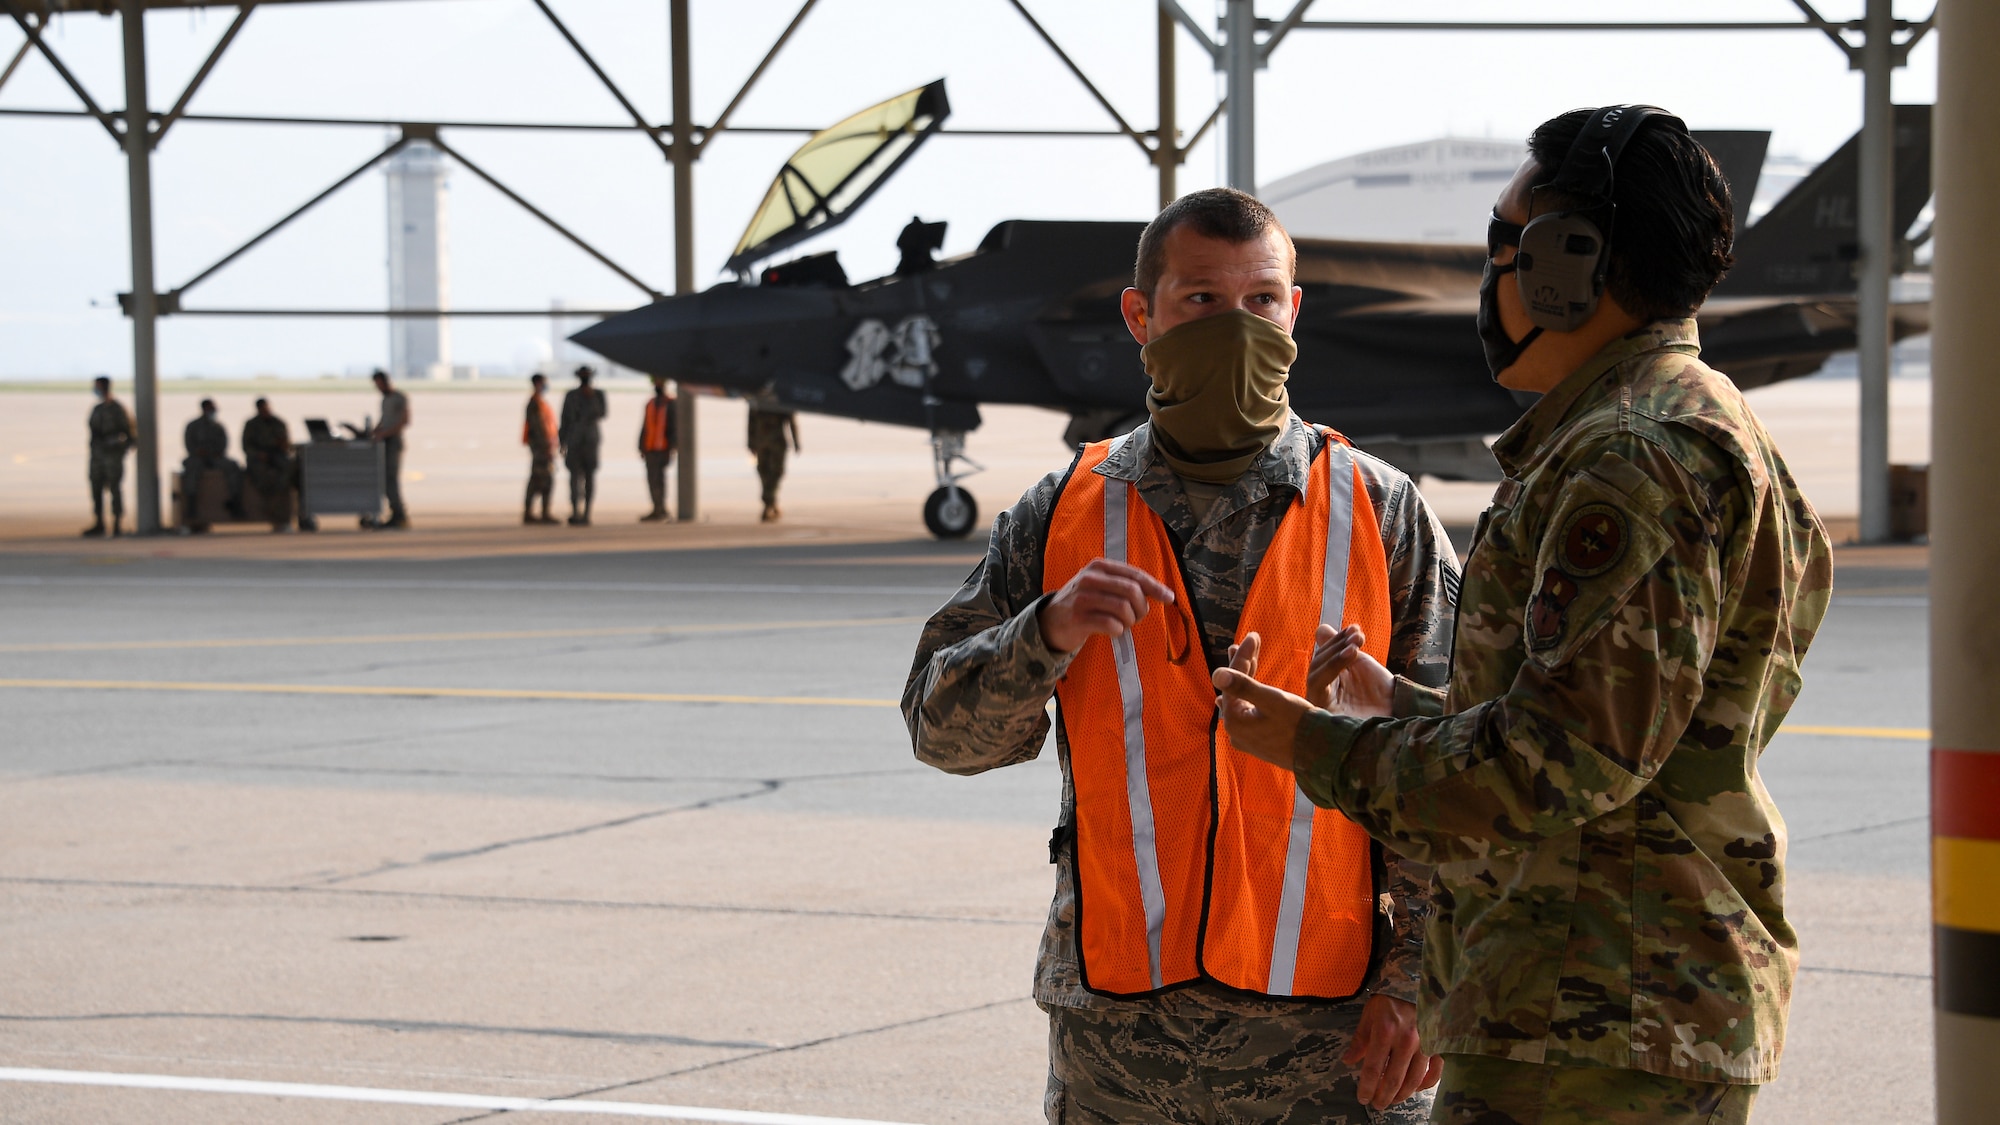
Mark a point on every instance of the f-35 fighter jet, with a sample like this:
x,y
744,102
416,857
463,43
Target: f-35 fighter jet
x,y
1387,350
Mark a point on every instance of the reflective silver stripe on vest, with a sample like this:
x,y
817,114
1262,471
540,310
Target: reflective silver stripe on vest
x,y
1333,598
1138,790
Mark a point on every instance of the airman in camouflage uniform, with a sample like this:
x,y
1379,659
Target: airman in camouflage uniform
x,y
111,438
769,431
977,699
1610,942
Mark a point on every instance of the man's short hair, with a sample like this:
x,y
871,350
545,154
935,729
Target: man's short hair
x,y
207,405
1223,213
538,377
101,381
1671,238
262,402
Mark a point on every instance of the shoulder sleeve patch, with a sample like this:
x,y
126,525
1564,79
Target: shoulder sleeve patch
x,y
1596,547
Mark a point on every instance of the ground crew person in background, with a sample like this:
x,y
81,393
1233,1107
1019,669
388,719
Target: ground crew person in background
x,y
1217,951
207,450
582,412
111,437
656,446
389,431
1611,943
768,431
268,463
538,433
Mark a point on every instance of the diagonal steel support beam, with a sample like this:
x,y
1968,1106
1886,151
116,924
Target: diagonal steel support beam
x,y
1283,29
1138,138
34,35
172,299
26,46
537,212
722,119
1187,22
638,119
1214,115
214,56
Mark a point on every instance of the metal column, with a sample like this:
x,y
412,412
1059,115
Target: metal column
x,y
1875,208
1239,55
1965,550
144,301
685,478
1166,153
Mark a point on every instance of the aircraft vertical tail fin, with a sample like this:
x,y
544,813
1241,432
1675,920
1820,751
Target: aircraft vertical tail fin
x,y
1807,243
1739,153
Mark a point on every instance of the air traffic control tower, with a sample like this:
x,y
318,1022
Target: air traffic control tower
x,y
419,262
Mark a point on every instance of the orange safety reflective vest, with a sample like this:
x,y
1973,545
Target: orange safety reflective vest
x,y
1196,861
653,435
548,423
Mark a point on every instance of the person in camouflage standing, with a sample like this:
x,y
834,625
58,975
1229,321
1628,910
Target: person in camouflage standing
x,y
769,429
581,435
111,438
268,464
1213,302
1611,944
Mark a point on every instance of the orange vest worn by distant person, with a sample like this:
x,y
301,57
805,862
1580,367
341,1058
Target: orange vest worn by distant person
x,y
548,424
1194,860
653,435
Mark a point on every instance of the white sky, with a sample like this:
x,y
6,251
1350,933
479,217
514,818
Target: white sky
x,y
1326,95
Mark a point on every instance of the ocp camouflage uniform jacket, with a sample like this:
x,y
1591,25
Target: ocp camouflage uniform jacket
x,y
978,694
1610,870
111,431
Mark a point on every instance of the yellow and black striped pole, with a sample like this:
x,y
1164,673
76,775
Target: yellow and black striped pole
x,y
1965,565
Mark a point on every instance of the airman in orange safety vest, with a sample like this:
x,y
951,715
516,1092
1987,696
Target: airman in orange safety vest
x,y
1219,949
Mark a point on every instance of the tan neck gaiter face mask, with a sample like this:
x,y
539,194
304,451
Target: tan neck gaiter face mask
x,y
1218,397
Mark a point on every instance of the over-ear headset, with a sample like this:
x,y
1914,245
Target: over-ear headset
x,y
1563,255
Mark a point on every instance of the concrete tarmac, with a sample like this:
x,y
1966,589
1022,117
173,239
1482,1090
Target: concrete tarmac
x,y
252,828
424,823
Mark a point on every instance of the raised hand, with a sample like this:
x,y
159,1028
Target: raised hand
x,y
1346,680
1105,597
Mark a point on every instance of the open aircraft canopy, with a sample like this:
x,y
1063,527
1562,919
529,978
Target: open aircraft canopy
x,y
832,174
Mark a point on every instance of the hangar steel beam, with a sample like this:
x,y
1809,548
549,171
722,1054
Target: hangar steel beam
x,y
1167,150
721,122
1875,233
34,35
686,478
1965,541
15,63
200,76
144,304
638,119
1123,126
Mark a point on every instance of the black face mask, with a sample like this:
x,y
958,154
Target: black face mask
x,y
1501,349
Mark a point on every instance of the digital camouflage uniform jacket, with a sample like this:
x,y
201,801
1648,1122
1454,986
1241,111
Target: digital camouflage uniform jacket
x,y
1610,870
978,694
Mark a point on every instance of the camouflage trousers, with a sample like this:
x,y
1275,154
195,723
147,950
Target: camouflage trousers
x,y
1477,1090
107,475
770,470
1209,1069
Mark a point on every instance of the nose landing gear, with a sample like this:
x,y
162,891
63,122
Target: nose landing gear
x,y
951,512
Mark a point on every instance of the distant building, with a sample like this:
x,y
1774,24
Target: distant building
x,y
419,263
1433,191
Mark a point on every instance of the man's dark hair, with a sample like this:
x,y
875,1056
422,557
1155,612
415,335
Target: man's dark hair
x,y
1671,238
207,406
538,378
262,402
1223,213
101,381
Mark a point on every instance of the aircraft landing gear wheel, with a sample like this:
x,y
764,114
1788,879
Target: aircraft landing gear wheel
x,y
950,513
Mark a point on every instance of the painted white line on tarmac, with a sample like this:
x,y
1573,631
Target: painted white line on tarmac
x,y
416,1097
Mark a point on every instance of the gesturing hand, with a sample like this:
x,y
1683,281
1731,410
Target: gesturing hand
x,y
1389,1067
1346,680
1105,597
1261,720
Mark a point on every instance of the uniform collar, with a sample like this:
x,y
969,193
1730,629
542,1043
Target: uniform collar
x,y
1589,384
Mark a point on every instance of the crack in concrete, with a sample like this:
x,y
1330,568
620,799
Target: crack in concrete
x,y
518,900
766,1052
385,1024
